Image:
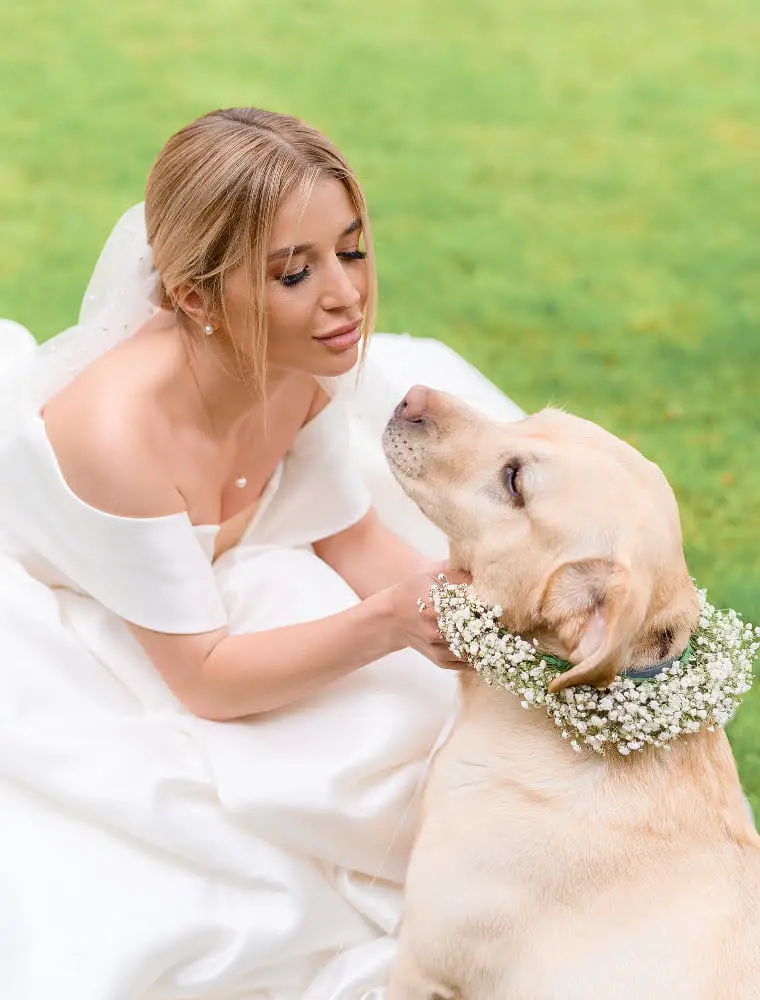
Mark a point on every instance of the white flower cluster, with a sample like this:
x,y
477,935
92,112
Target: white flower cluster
x,y
704,688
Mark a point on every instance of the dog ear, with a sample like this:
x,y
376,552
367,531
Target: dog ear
x,y
590,607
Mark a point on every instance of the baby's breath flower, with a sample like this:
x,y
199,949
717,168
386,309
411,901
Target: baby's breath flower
x,y
702,688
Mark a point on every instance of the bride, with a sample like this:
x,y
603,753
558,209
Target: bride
x,y
217,692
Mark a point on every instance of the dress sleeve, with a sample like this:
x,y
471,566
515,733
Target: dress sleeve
x,y
150,571
322,490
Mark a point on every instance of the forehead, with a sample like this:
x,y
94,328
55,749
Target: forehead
x,y
549,427
562,440
313,216
550,424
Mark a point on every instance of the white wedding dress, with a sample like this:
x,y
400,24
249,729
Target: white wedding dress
x,y
148,854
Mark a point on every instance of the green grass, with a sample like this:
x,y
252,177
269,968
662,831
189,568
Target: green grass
x,y
566,192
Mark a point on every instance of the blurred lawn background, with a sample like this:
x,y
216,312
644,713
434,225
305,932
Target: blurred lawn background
x,y
566,191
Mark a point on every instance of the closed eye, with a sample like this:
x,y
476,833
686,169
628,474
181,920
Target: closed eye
x,y
510,475
288,280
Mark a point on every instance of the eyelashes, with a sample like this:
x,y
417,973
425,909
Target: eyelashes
x,y
289,280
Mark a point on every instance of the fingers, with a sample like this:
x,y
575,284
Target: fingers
x,y
442,655
425,603
452,575
451,662
436,648
457,577
432,636
421,620
431,632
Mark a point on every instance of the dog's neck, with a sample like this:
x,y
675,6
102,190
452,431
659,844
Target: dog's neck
x,y
519,619
523,748
526,757
521,624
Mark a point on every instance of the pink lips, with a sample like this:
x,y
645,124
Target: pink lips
x,y
343,337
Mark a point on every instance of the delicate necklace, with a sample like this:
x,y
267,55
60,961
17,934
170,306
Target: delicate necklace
x,y
241,481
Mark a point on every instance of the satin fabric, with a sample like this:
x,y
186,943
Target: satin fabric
x,y
146,854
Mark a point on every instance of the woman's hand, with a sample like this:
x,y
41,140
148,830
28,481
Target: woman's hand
x,y
415,618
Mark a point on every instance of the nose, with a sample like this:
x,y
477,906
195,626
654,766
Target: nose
x,y
340,291
413,406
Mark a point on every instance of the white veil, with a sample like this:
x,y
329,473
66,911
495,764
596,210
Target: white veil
x,y
121,295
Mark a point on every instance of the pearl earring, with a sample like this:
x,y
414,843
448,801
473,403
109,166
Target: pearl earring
x,y
208,329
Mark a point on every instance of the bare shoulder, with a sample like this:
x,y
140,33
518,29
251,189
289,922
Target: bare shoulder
x,y
106,431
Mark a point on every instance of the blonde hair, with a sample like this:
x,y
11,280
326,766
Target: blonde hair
x,y
211,200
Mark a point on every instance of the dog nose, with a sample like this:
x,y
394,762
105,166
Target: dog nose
x,y
414,405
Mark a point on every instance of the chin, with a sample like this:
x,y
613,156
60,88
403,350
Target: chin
x,y
338,363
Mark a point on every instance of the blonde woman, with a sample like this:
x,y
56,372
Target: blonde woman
x,y
218,693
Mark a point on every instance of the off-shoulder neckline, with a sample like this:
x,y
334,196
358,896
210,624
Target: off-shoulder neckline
x,y
304,432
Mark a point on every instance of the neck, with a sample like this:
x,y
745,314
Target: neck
x,y
691,791
519,619
225,396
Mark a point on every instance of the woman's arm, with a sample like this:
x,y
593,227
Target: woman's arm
x,y
370,558
222,677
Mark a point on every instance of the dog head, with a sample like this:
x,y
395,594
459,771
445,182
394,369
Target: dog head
x,y
571,530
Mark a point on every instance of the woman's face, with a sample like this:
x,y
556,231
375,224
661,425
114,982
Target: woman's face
x,y
317,283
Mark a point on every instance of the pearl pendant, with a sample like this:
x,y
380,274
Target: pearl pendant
x,y
241,483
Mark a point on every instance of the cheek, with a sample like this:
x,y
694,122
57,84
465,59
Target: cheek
x,y
237,305
453,504
509,569
288,312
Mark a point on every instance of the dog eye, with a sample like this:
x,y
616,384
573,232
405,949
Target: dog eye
x,y
511,476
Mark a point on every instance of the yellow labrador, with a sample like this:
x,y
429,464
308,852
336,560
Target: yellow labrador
x,y
539,873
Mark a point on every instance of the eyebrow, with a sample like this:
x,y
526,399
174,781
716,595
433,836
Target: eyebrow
x,y
303,247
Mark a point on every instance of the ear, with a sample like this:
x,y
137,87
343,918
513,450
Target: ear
x,y
190,302
591,608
